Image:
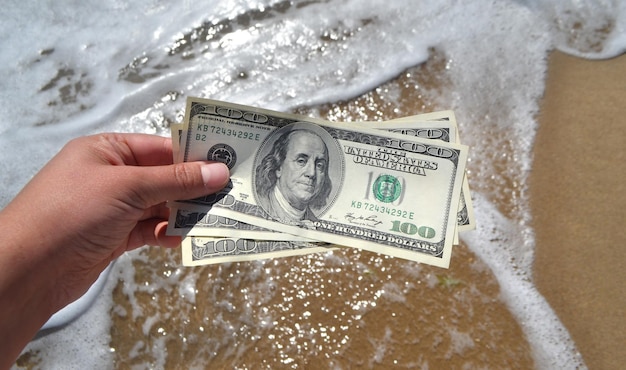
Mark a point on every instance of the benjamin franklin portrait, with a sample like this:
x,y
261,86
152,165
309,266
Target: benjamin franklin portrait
x,y
292,177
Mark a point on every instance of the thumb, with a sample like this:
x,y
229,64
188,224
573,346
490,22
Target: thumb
x,y
182,181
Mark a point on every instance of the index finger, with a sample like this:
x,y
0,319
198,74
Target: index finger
x,y
145,149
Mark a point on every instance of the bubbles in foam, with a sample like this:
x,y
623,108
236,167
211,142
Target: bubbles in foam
x,y
589,28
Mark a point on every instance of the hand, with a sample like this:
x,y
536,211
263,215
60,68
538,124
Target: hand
x,y
99,197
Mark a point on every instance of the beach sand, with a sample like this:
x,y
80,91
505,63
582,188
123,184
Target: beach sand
x,y
578,197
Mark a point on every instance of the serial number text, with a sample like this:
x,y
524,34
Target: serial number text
x,y
373,207
217,130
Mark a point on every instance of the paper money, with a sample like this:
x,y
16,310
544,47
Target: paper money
x,y
465,216
195,225
187,222
442,127
203,223
369,189
198,250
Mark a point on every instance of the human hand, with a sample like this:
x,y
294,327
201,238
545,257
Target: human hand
x,y
99,197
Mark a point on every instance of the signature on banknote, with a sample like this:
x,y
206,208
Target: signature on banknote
x,y
370,220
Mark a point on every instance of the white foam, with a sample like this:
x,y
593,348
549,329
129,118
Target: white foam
x,y
308,54
498,242
593,29
78,307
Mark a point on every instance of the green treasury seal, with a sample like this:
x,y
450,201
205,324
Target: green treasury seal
x,y
387,188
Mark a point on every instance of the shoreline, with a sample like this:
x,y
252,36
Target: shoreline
x,y
578,199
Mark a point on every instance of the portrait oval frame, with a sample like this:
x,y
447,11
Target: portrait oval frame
x,y
336,161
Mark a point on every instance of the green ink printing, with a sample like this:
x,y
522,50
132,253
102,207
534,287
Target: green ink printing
x,y
387,188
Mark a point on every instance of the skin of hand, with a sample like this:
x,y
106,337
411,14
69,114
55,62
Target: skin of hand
x,y
99,197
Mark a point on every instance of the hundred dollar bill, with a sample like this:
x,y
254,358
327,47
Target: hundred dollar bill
x,y
202,223
410,126
198,251
465,216
419,119
186,222
441,127
341,184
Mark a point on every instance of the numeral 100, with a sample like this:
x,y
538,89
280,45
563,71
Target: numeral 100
x,y
412,229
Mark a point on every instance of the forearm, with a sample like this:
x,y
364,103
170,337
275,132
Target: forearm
x,y
99,197
27,287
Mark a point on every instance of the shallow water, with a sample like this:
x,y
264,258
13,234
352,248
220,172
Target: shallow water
x,y
128,66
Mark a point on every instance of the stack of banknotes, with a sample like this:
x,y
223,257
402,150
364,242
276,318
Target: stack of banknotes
x,y
303,185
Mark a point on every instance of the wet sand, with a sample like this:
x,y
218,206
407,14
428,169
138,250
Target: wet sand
x,y
578,198
355,310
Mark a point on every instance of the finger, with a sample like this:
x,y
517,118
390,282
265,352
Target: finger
x,y
158,184
144,233
152,232
160,210
142,149
164,240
